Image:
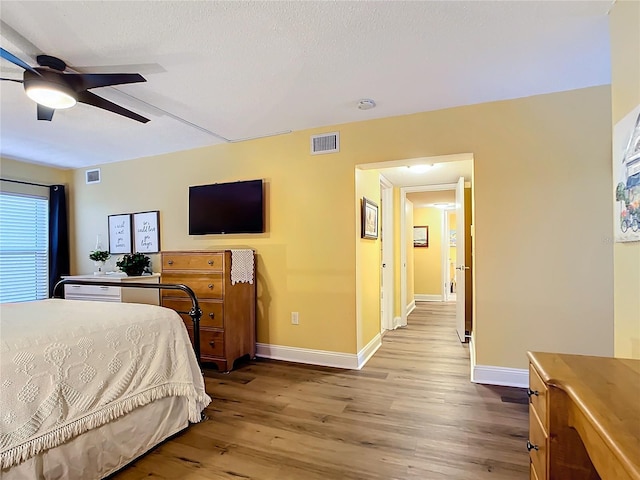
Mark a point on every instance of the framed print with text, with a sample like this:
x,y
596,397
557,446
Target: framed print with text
x,y
146,232
120,233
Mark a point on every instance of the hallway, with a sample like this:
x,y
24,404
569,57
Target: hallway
x,y
410,413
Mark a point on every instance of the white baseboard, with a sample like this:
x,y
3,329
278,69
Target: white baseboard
x,y
411,307
369,349
508,377
320,357
396,322
424,297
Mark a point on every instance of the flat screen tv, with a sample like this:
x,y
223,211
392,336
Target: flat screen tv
x,y
235,207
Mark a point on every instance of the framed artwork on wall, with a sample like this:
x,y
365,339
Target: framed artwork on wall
x,y
369,219
452,238
146,232
626,177
120,233
421,236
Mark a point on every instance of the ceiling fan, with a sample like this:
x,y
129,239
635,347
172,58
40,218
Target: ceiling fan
x,y
52,89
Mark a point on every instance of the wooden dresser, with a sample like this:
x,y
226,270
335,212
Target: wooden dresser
x,y
228,324
584,417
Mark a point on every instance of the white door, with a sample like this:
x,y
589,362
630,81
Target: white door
x,y
460,261
386,255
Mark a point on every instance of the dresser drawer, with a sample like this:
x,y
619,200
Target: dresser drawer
x,y
212,312
538,445
93,291
211,342
204,286
192,261
538,396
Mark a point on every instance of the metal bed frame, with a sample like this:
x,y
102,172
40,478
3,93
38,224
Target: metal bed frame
x,y
195,313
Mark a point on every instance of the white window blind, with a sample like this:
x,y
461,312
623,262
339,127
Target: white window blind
x,y
24,247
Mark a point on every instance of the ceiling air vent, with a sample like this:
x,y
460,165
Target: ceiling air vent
x,y
325,143
92,176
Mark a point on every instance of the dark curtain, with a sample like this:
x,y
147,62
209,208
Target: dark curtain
x,y
58,236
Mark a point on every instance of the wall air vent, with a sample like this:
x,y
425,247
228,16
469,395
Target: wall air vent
x,y
325,143
92,176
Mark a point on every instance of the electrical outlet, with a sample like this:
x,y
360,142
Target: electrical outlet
x,y
294,318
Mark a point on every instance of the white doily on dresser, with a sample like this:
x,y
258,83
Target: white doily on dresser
x,y
241,266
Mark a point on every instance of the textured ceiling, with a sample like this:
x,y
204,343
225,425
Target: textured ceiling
x,y
219,71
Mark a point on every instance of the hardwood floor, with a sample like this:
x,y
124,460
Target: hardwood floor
x,y
410,413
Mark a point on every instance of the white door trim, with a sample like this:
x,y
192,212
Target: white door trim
x,y
386,190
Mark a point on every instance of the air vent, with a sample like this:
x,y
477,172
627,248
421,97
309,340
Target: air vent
x,y
325,143
92,176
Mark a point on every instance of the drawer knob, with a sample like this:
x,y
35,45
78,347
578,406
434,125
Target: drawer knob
x,y
532,392
211,315
210,262
531,446
211,286
170,262
213,344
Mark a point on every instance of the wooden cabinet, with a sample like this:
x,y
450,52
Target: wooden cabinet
x,y
228,323
113,293
584,417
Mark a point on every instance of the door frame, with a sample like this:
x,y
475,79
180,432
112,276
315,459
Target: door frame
x,y
386,195
446,247
403,239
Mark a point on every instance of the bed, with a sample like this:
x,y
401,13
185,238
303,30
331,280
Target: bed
x,y
86,387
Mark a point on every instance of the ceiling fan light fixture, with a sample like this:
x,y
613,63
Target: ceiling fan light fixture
x,y
50,96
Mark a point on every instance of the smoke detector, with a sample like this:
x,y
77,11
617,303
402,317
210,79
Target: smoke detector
x,y
366,104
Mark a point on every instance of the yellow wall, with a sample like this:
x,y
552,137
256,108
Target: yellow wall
x,y
533,156
30,172
625,96
427,262
368,259
410,277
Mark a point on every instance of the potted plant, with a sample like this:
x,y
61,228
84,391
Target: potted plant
x,y
133,264
99,257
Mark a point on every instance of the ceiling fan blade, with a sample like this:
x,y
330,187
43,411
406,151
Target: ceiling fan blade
x,y
45,113
11,80
15,60
93,99
85,81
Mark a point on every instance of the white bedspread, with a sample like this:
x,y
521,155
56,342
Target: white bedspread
x,y
68,366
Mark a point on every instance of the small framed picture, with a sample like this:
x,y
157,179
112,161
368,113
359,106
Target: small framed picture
x,y
146,232
421,236
369,219
120,233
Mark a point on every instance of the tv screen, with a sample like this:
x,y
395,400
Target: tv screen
x,y
235,207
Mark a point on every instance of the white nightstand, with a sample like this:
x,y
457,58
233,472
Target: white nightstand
x,y
113,293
